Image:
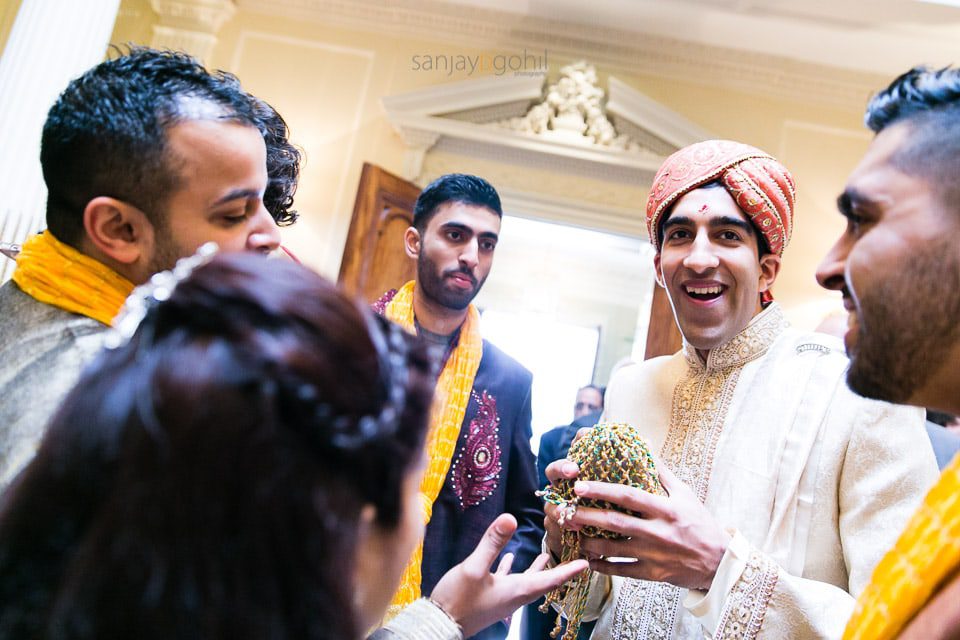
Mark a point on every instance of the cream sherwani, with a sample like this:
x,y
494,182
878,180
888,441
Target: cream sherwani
x,y
814,483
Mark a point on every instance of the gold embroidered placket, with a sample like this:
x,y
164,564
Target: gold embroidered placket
x,y
743,615
701,401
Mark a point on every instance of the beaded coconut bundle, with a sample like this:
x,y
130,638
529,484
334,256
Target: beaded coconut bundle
x,y
610,452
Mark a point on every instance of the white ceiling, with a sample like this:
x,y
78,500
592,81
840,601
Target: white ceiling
x,y
876,36
834,52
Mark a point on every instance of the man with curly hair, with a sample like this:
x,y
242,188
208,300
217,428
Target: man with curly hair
x,y
146,157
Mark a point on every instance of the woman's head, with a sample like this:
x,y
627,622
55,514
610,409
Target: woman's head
x,y
219,474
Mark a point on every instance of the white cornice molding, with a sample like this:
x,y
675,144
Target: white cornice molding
x,y
666,124
649,54
558,164
466,94
577,213
522,148
414,116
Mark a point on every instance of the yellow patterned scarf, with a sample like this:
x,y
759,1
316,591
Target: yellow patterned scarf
x,y
59,275
925,555
446,416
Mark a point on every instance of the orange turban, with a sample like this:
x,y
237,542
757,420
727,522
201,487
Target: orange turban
x,y
760,185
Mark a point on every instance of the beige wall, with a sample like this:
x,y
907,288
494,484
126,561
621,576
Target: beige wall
x,y
328,82
135,20
8,13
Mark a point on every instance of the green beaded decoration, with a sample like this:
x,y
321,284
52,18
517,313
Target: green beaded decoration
x,y
610,452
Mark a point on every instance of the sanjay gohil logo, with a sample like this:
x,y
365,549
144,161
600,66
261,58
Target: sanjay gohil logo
x,y
525,63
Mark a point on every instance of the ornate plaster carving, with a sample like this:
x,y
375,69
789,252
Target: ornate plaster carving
x,y
573,110
567,130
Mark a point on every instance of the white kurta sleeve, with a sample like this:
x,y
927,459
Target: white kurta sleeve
x,y
753,597
887,467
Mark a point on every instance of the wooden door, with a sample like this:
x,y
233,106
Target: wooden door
x,y
663,336
373,258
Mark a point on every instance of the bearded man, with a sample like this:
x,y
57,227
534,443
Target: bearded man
x,y
479,459
784,486
897,265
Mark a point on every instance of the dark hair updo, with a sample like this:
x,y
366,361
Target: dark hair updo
x,y
206,479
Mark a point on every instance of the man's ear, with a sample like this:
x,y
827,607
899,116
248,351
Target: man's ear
x,y
117,229
656,270
411,242
769,268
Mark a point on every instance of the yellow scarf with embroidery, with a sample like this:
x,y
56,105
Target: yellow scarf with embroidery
x,y
59,275
924,556
446,417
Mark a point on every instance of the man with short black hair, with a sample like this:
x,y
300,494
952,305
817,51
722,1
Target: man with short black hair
x,y
146,157
784,487
897,265
480,463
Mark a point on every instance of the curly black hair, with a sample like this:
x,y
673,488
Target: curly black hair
x,y
106,135
283,165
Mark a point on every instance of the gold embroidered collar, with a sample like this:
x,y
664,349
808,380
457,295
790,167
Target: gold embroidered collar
x,y
749,344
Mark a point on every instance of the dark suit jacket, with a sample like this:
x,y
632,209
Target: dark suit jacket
x,y
493,472
555,443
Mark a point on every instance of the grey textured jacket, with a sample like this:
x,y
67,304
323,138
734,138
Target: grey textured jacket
x,y
43,349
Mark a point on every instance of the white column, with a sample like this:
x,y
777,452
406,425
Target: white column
x,y
190,25
52,41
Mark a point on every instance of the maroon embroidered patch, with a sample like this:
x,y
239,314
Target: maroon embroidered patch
x,y
476,468
380,306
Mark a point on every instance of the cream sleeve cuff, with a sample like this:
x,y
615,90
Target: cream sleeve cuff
x,y
708,606
423,620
